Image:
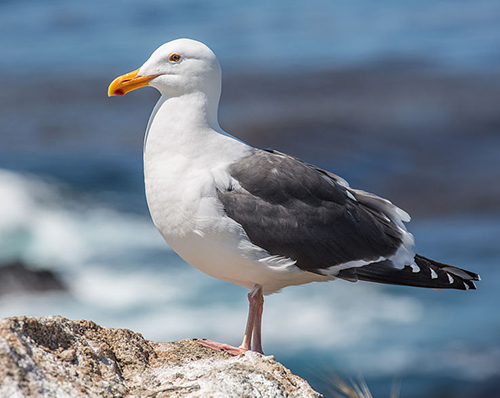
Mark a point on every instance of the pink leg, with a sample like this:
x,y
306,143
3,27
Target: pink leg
x,y
254,322
257,329
252,315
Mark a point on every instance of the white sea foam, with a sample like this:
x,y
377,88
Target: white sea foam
x,y
39,225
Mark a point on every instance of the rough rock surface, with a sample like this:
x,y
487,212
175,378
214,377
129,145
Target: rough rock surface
x,y
56,357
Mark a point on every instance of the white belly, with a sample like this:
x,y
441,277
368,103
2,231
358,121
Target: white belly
x,y
231,257
193,222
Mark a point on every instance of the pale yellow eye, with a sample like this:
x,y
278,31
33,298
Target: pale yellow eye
x,y
175,58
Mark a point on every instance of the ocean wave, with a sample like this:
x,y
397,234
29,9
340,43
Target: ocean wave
x,y
46,226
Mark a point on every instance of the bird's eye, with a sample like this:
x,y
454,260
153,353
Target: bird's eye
x,y
175,58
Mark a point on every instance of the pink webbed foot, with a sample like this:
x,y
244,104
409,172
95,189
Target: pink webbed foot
x,y
235,351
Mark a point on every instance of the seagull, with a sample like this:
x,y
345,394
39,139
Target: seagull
x,y
260,218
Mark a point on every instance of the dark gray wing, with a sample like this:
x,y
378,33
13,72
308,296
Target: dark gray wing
x,y
296,210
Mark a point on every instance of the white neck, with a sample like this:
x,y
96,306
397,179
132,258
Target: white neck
x,y
185,156
182,118
186,127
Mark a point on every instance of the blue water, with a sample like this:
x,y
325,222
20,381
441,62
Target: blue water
x,y
62,35
71,197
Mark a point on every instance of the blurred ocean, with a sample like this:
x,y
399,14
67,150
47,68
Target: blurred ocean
x,y
401,98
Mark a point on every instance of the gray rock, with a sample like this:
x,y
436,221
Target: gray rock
x,y
16,277
56,357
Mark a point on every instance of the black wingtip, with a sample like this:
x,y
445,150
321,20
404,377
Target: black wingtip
x,y
470,285
430,274
458,278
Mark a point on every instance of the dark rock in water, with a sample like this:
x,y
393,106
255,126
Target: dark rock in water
x,y
15,277
56,357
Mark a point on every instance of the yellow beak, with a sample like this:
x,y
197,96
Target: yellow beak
x,y
123,84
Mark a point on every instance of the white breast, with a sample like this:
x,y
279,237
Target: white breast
x,y
183,168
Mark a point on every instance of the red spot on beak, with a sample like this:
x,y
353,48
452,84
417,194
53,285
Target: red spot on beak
x,y
119,91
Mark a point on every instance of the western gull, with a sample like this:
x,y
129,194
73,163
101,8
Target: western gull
x,y
260,218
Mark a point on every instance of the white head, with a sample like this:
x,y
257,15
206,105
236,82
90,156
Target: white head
x,y
176,68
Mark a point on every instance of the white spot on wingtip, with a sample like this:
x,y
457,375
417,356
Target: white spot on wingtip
x,y
351,196
434,275
466,286
450,278
414,268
